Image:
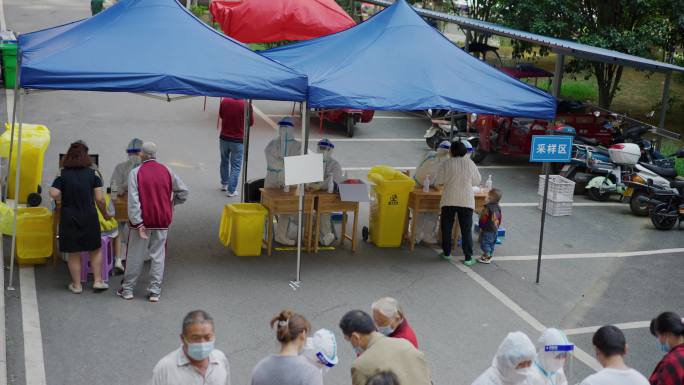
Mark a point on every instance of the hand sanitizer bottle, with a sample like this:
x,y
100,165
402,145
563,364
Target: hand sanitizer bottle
x,y
489,183
426,184
331,185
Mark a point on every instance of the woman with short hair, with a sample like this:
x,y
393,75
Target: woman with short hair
x,y
668,328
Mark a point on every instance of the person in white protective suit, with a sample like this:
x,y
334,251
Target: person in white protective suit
x,y
321,350
512,362
119,188
331,170
276,151
547,368
427,169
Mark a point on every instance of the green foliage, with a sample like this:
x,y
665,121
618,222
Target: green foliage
x,y
199,10
669,147
630,26
575,90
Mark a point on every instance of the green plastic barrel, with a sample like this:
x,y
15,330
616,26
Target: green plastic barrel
x,y
9,63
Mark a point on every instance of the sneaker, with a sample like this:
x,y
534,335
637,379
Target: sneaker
x,y
469,262
445,257
125,295
118,266
232,194
485,259
224,187
153,297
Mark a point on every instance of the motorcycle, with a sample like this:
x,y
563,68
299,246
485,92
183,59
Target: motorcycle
x,y
666,205
661,177
623,159
441,126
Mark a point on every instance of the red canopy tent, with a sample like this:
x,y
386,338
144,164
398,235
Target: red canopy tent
x,y
268,21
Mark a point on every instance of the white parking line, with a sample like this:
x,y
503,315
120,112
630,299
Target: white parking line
x,y
374,117
577,204
479,167
623,326
624,254
520,312
34,360
374,139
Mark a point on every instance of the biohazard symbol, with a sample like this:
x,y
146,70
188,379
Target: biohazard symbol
x,y
393,200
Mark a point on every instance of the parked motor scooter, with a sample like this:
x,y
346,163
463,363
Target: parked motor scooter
x,y
440,128
623,156
661,177
666,205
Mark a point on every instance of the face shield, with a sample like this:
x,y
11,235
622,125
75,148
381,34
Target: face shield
x,y
556,362
443,149
285,127
321,350
325,147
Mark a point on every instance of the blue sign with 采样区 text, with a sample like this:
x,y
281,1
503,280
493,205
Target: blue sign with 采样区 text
x,y
551,148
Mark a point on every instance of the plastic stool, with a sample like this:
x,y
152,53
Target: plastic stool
x,y
107,260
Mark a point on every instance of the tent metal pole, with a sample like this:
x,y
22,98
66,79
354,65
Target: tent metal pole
x,y
558,75
664,104
9,160
16,192
245,150
300,191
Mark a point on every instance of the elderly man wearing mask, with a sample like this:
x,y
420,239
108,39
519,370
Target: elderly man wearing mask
x,y
119,188
276,151
426,172
548,366
512,362
389,319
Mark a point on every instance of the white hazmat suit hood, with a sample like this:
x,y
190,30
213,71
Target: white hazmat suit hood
x,y
430,164
548,367
321,350
514,349
276,151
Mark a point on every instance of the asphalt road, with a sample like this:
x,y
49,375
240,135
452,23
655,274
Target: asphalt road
x,y
459,318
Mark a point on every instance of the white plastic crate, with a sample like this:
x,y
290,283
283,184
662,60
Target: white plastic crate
x,y
556,209
560,189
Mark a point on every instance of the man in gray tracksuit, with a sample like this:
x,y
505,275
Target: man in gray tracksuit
x,y
153,190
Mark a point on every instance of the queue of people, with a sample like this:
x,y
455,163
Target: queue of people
x,y
382,359
86,214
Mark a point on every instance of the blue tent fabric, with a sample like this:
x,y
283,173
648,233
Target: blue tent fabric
x,y
154,46
396,61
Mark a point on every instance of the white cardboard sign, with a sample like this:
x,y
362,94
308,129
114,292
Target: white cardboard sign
x,y
354,192
301,169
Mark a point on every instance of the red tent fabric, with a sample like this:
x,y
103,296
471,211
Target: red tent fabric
x,y
268,21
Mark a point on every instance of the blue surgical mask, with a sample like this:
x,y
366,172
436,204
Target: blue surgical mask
x,y
386,330
663,346
200,351
358,350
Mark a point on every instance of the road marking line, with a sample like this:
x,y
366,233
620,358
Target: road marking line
x,y
623,326
30,321
480,167
373,139
592,255
520,312
578,204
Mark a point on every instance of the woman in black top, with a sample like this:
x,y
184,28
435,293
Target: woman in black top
x,y
79,189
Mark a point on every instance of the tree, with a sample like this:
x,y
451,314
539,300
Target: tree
x,y
630,26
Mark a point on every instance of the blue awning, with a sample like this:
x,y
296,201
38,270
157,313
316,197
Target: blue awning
x,y
152,46
396,61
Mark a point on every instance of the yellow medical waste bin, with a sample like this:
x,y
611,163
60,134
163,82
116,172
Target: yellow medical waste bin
x,y
389,200
242,228
34,235
35,139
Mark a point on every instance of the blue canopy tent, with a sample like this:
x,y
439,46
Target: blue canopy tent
x,y
396,61
148,47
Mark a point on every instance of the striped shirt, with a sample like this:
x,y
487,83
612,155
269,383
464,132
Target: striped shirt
x,y
458,176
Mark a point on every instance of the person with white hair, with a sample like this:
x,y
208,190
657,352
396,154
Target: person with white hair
x,y
389,320
276,151
512,362
547,368
153,190
426,172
